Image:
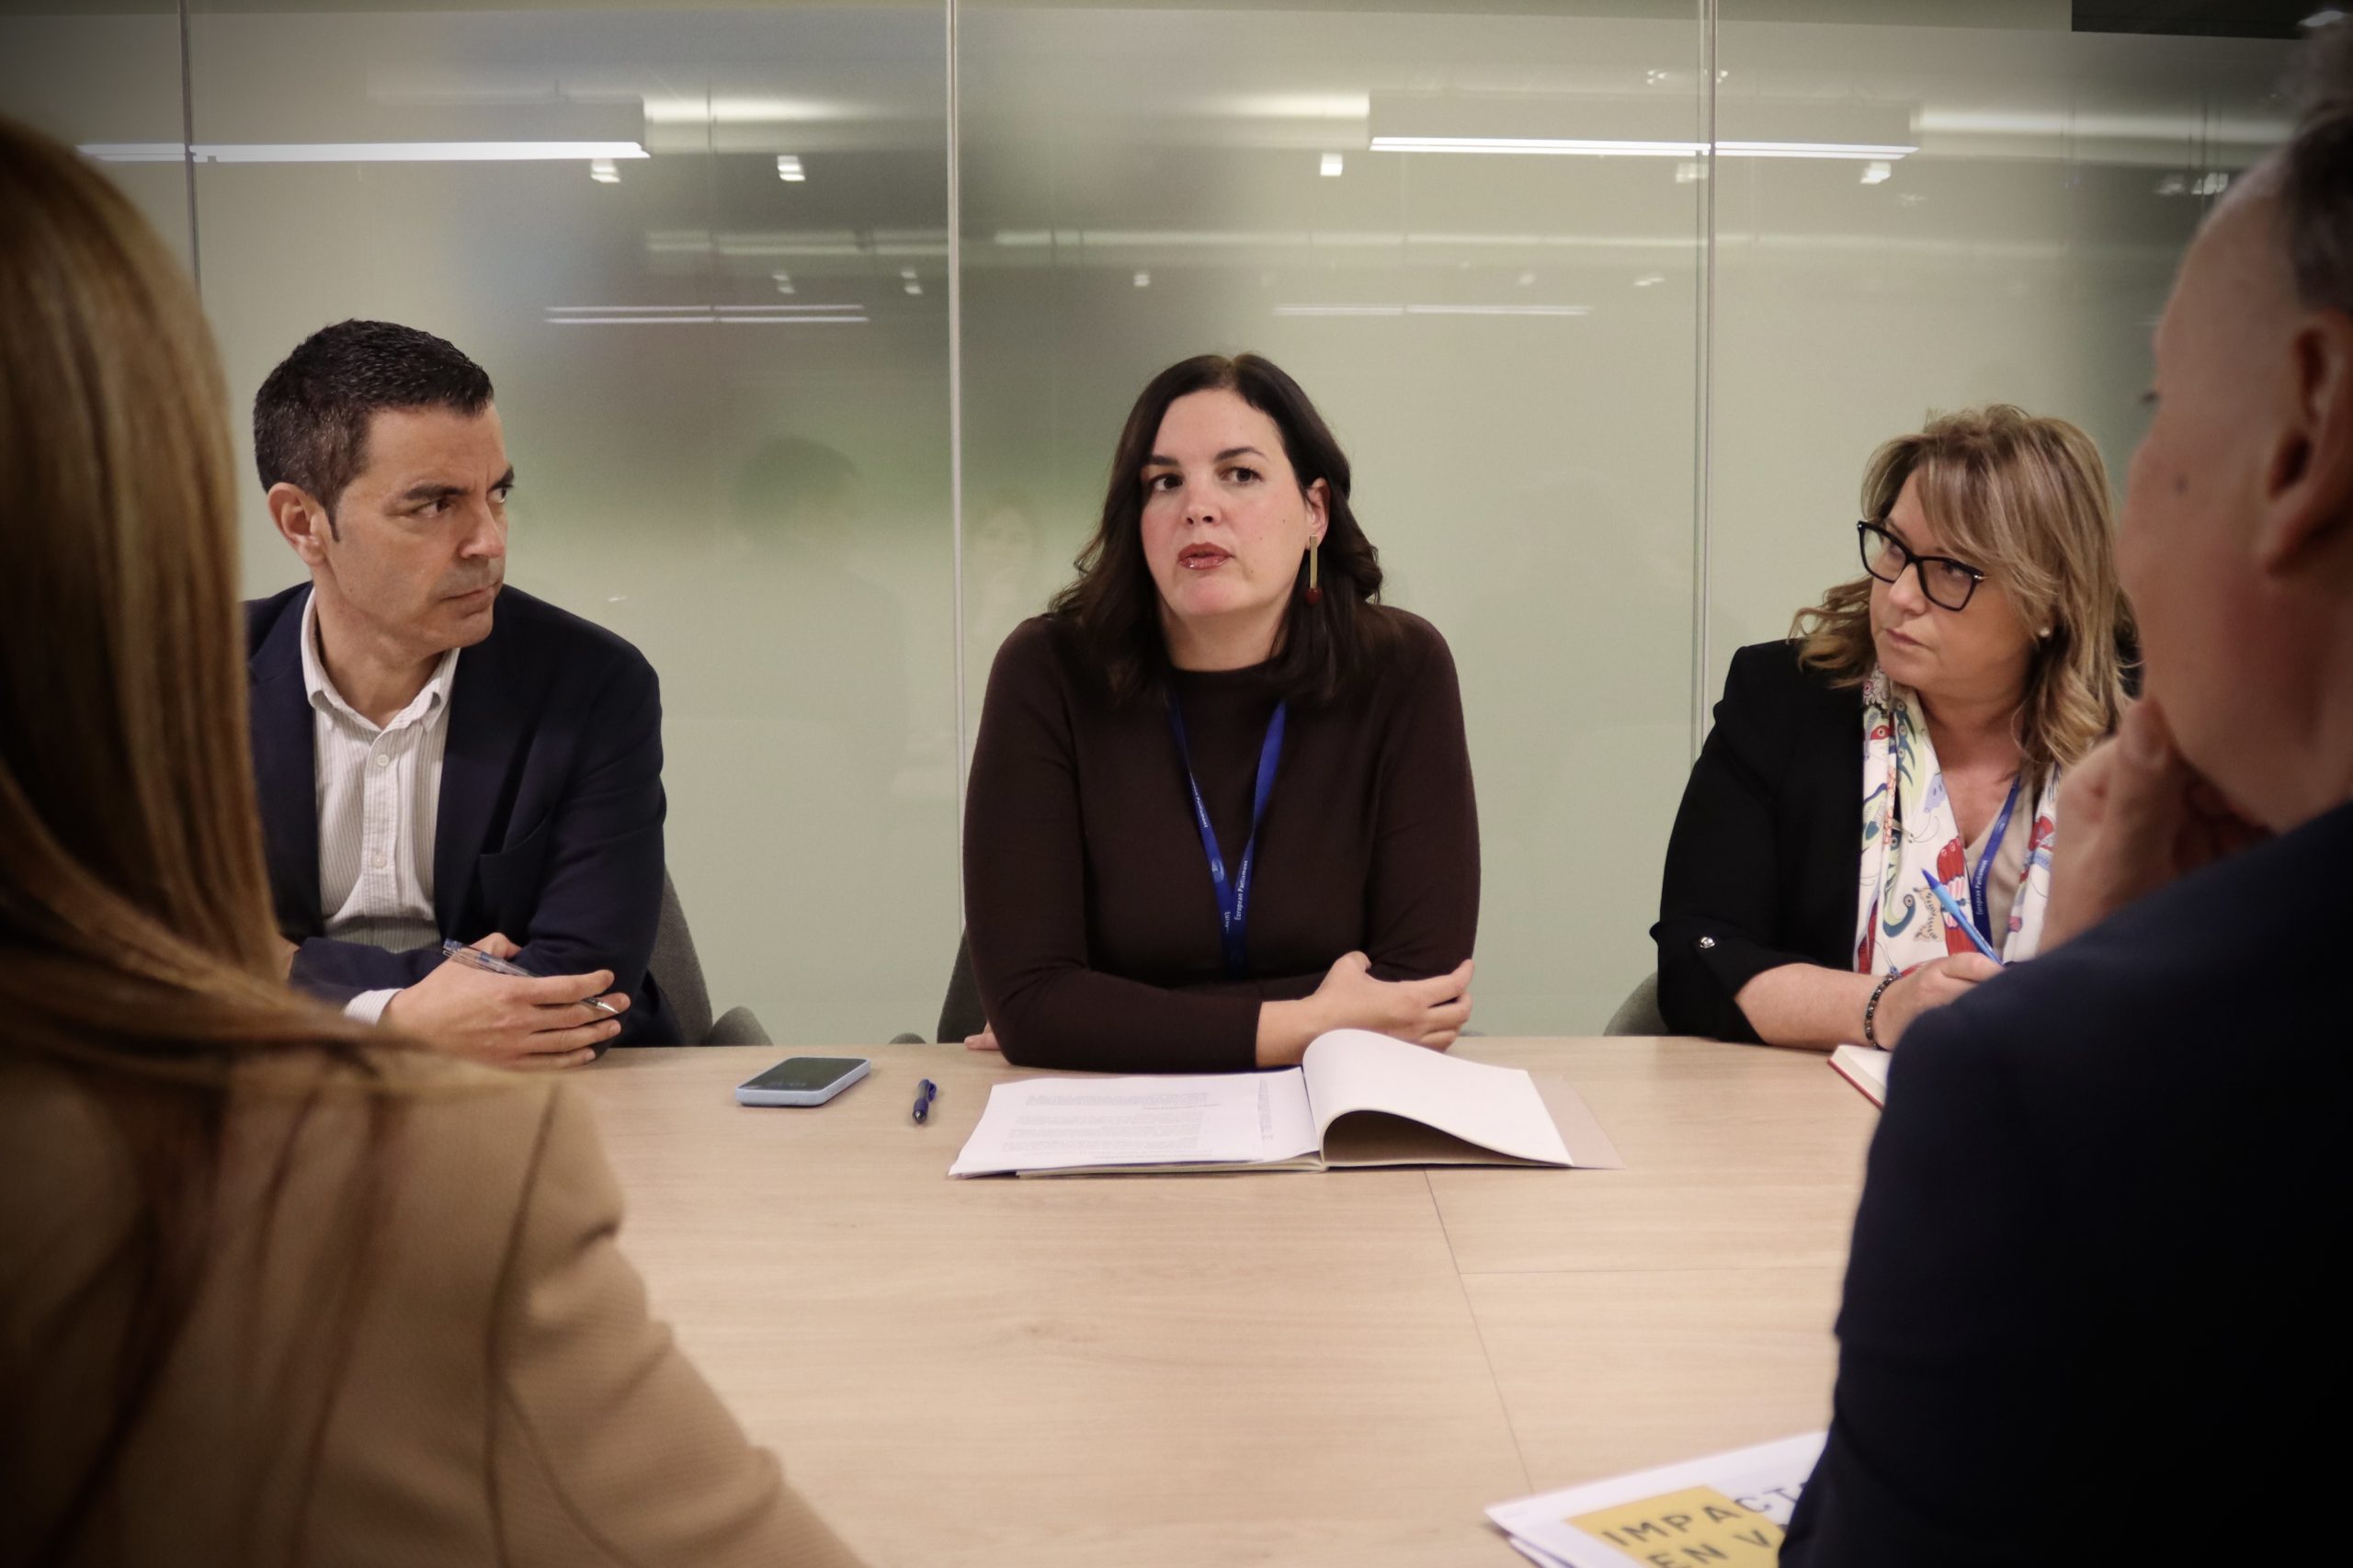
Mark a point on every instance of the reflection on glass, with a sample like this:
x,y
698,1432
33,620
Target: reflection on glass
x,y
2021,256
111,78
727,410
704,255
1504,344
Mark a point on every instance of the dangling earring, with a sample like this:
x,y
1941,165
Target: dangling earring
x,y
1314,593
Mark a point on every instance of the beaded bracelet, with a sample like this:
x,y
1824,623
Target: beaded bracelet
x,y
1871,1008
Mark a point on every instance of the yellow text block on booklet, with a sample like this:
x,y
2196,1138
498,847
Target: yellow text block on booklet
x,y
1697,1526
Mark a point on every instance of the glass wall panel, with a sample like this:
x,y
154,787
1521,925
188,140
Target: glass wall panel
x,y
1504,345
108,79
722,356
723,378
2021,254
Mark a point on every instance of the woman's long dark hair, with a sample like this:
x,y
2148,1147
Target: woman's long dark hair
x,y
1113,607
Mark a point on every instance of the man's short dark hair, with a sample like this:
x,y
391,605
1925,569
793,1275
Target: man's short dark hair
x,y
310,416
2316,172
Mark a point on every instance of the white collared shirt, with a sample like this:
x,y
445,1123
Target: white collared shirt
x,y
379,800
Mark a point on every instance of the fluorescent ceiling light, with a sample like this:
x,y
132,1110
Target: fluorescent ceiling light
x,y
1887,152
693,315
1432,309
1637,126
1571,146
360,152
1597,147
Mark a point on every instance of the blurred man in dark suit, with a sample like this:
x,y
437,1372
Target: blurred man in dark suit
x,y
2079,1324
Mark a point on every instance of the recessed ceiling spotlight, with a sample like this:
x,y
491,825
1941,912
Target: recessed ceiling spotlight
x,y
1144,280
602,171
788,168
1332,164
783,282
1876,172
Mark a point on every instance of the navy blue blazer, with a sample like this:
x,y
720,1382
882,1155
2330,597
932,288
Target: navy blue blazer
x,y
549,827
2087,1306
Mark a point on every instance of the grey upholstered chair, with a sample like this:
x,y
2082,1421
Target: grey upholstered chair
x,y
678,971
960,1012
1638,1013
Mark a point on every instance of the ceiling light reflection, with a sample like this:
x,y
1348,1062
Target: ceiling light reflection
x,y
1313,310
360,152
1602,147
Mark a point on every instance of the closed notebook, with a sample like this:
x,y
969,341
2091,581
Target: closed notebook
x,y
1865,1067
1355,1099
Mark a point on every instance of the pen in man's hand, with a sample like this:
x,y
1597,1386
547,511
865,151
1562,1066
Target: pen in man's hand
x,y
452,948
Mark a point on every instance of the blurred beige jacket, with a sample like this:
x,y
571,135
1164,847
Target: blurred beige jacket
x,y
496,1394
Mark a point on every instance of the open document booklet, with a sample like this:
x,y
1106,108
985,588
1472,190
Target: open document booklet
x,y
1727,1509
1355,1099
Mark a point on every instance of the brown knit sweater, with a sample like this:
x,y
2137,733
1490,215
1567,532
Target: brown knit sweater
x,y
1094,924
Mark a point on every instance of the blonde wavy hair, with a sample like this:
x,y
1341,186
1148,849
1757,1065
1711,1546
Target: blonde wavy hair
x,y
2026,499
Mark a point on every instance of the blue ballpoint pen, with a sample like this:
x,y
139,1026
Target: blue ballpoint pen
x,y
1959,916
925,1091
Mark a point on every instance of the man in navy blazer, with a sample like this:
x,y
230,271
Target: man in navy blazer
x,y
2085,1316
439,755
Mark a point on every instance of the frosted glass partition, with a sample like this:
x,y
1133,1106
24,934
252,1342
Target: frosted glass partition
x,y
2021,254
1504,345
106,77
724,355
725,393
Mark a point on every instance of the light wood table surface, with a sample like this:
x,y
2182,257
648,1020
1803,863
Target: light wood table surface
x,y
1293,1368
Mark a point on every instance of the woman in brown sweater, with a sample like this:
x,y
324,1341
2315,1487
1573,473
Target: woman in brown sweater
x,y
1221,801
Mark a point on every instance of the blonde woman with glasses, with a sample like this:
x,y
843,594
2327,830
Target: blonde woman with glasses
x,y
1867,832
273,1288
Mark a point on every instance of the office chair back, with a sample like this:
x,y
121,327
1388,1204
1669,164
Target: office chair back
x,y
678,970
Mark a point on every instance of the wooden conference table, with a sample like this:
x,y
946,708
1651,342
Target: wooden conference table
x,y
1293,1368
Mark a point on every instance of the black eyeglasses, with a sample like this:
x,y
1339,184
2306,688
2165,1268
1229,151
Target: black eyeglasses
x,y
1947,582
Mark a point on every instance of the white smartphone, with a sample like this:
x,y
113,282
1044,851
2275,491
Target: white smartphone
x,y
803,1079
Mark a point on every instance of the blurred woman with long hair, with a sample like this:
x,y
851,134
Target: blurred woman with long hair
x,y
272,1288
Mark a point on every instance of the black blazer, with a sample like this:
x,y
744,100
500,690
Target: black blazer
x,y
551,815
2086,1303
1767,855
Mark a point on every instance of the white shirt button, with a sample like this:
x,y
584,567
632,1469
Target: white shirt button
x,y
384,759
379,861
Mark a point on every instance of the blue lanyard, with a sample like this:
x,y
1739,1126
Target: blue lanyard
x,y
1977,879
1232,896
